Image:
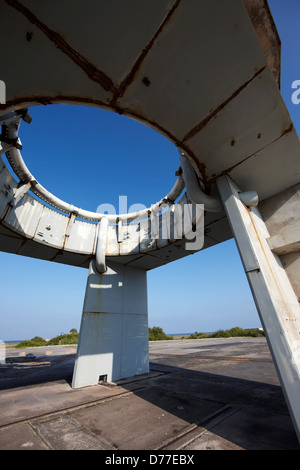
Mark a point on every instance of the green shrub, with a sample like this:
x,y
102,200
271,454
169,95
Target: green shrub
x,y
71,338
199,335
156,333
221,334
34,342
64,339
231,333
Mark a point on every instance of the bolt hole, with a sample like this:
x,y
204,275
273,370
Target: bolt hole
x,y
29,36
146,81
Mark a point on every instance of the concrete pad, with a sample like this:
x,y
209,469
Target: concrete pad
x,y
210,441
145,419
21,437
29,402
220,388
200,395
250,429
64,433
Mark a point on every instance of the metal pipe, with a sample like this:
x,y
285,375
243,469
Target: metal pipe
x,y
10,123
19,167
197,195
17,163
101,245
193,188
5,149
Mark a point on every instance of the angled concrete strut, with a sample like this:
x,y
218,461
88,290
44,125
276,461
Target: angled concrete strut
x,y
273,293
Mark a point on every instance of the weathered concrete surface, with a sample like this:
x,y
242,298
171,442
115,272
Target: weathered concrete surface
x,y
267,34
113,338
220,394
282,218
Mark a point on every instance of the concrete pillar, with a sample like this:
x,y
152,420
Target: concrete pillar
x,y
113,338
275,298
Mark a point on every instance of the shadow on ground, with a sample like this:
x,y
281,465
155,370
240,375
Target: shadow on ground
x,y
171,408
36,371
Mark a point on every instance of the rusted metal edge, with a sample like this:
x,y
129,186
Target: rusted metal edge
x,y
267,34
106,82
219,108
90,69
130,77
46,100
228,170
19,103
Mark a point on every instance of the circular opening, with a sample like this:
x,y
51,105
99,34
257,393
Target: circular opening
x,y
90,157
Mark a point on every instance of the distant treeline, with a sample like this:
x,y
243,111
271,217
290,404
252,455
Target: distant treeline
x,y
155,334
233,332
69,338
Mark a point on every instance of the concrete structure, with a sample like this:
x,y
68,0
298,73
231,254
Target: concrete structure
x,y
211,394
204,74
114,328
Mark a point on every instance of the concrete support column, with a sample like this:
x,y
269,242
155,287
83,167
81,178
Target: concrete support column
x,y
113,339
273,293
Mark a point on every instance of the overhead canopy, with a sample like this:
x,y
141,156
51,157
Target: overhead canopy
x,y
203,73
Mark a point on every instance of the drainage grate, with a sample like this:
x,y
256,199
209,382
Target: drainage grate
x,y
103,378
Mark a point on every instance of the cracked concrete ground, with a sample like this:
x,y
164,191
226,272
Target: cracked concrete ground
x,y
213,394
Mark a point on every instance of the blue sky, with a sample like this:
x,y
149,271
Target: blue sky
x,y
88,156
